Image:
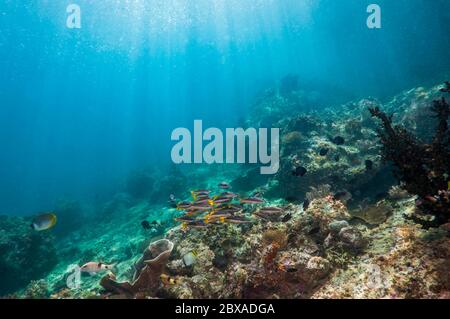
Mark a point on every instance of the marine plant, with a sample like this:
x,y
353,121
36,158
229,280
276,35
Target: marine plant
x,y
422,167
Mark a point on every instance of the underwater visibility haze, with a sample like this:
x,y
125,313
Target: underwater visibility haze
x,y
93,204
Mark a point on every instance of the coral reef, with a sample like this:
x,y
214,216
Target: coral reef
x,y
350,239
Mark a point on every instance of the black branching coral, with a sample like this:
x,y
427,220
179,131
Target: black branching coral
x,y
422,168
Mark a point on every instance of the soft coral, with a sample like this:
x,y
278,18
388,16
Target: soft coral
x,y
423,168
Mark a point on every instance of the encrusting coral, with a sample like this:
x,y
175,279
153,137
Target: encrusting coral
x,y
422,168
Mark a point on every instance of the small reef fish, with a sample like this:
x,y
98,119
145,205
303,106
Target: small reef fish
x,y
172,201
183,205
431,199
215,219
146,225
168,281
228,195
222,212
237,220
262,215
323,151
252,200
193,212
338,140
95,267
190,258
268,214
184,219
288,269
195,224
201,192
236,207
306,204
269,209
257,194
299,171
231,208
219,200
224,185
201,207
220,262
202,197
201,202
286,217
369,165
44,221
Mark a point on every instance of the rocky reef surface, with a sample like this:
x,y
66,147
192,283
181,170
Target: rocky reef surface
x,y
344,232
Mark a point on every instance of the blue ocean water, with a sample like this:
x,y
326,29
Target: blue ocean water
x,y
81,108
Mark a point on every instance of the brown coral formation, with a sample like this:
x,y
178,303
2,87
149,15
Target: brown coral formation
x,y
148,271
